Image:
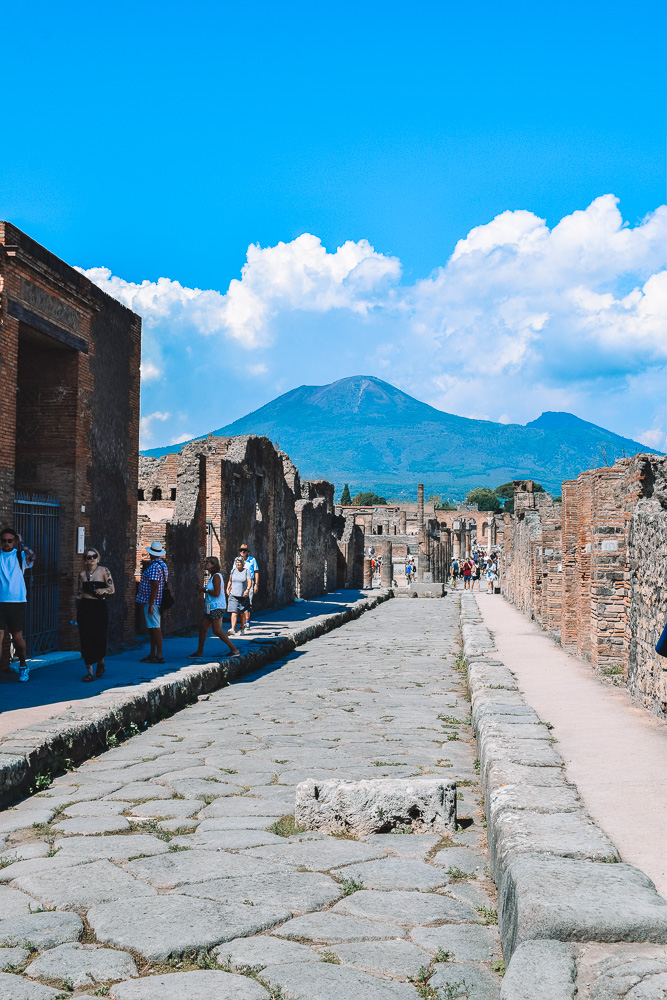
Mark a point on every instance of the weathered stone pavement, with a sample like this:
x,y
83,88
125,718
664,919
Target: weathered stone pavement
x,y
166,867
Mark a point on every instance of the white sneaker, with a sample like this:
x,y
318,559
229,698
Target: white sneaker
x,y
24,673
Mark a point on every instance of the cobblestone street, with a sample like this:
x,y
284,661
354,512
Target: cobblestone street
x,y
170,866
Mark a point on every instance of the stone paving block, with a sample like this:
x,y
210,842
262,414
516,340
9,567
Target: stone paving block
x,y
468,981
415,845
488,675
319,855
229,840
569,835
83,885
40,930
459,857
540,969
542,896
183,867
397,873
405,908
201,788
470,892
621,972
323,981
139,790
258,952
536,798
364,807
240,805
237,823
40,866
517,729
13,819
298,891
82,964
97,808
166,809
178,826
388,958
158,927
504,772
506,749
15,903
15,957
204,985
92,825
332,928
17,988
467,942
113,847
24,852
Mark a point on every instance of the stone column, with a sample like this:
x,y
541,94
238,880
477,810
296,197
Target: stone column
x,y
402,523
456,539
491,531
420,507
387,575
424,564
368,573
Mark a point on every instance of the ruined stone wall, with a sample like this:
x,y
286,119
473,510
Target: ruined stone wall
x,y
593,571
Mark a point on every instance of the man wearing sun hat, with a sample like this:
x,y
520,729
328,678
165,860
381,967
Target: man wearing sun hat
x,y
151,586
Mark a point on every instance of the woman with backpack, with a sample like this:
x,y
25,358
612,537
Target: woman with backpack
x,y
215,606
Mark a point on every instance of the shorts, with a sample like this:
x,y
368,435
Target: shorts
x,y
237,605
152,621
12,616
214,614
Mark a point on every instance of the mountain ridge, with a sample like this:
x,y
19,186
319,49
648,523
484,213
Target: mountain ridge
x,y
370,434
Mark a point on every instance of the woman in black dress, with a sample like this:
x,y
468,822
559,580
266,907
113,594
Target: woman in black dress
x,y
94,585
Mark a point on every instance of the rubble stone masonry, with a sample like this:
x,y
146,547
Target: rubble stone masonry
x,y
592,569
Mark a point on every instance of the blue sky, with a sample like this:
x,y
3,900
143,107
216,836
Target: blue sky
x,y
159,141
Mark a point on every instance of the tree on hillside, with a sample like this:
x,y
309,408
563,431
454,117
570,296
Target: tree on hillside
x,y
485,498
368,500
439,503
345,497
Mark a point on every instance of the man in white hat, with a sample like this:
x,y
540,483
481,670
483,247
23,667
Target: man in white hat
x,y
151,586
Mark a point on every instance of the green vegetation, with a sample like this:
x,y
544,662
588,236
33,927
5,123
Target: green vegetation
x,y
439,503
345,497
485,498
286,826
351,885
369,499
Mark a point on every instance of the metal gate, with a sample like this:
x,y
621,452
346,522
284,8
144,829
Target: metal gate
x,y
37,520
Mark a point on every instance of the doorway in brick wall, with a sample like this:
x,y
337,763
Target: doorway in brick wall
x,y
37,520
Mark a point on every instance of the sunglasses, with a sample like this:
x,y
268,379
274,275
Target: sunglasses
x,y
88,558
7,541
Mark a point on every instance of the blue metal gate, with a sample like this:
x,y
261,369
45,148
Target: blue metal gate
x,y
37,520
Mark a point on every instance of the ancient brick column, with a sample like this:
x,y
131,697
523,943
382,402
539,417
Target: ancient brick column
x,y
420,507
456,539
402,522
368,573
387,574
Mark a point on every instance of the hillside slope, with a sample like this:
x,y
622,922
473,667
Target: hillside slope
x,y
365,432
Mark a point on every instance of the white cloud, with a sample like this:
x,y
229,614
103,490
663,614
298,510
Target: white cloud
x,y
146,425
149,371
182,437
521,318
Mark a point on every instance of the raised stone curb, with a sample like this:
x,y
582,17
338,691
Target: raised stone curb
x,y
549,859
82,731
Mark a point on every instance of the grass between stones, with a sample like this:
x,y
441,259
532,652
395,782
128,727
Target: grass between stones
x,y
286,826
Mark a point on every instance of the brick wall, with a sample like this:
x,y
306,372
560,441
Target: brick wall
x,y
592,571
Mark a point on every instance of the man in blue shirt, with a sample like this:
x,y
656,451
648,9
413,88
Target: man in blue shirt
x,y
251,566
15,559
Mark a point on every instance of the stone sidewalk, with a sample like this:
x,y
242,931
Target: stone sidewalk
x,y
170,866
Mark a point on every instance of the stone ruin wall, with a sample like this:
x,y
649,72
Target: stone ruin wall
x,y
592,570
218,492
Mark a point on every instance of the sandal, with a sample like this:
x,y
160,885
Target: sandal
x,y
147,659
157,659
195,656
237,652
99,672
88,677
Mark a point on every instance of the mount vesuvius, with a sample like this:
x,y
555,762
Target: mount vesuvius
x,y
366,432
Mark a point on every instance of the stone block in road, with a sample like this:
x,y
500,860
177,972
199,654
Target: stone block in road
x,y
333,928
17,988
300,892
467,942
397,873
190,986
257,952
363,807
466,981
546,897
322,981
14,902
91,826
182,867
459,857
41,930
389,958
13,957
115,847
317,855
406,908
81,886
570,835
540,969
159,927
82,964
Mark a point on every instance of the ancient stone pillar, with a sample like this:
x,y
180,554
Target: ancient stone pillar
x,y
402,522
424,564
456,539
387,574
368,573
420,507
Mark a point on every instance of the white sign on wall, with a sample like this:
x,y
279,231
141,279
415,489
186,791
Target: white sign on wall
x,y
80,540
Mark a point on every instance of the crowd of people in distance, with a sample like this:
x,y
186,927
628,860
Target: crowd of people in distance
x,y
95,585
473,568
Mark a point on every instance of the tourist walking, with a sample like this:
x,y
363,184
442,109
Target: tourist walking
x,y
477,575
214,608
467,573
455,572
15,559
94,585
238,589
253,569
151,588
491,576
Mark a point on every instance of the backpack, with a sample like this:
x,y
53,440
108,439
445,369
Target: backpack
x,y
167,601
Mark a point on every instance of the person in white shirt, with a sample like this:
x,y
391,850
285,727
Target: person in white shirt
x,y
15,559
253,569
